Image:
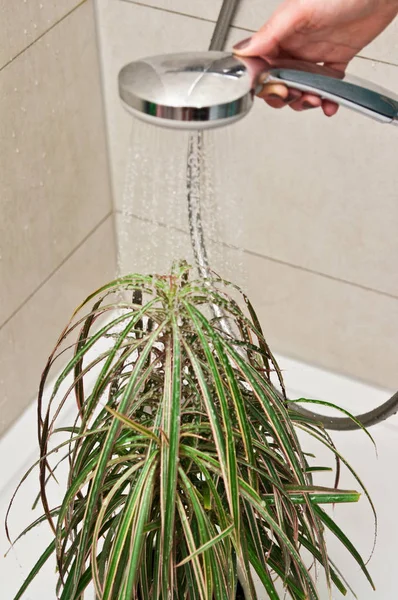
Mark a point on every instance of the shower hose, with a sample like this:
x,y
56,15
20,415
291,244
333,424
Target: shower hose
x,y
377,415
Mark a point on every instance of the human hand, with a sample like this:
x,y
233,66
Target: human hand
x,y
331,32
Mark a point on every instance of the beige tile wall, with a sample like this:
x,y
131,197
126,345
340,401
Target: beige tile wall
x,y
318,198
56,232
24,21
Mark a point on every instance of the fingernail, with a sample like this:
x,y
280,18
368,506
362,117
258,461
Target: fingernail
x,y
243,44
307,105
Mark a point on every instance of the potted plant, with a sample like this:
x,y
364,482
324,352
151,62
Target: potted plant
x,y
185,471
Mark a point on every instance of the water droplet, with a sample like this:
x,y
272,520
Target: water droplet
x,y
13,134
41,184
25,31
36,82
23,109
40,6
53,111
44,154
17,150
15,89
26,227
34,26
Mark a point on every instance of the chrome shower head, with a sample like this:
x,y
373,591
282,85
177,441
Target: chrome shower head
x,y
196,90
202,90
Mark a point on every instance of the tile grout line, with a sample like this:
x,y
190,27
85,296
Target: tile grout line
x,y
237,27
54,271
269,258
65,16
377,60
360,286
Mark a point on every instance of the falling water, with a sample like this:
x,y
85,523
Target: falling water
x,y
223,219
152,221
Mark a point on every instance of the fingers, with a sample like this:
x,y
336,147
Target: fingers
x,y
278,96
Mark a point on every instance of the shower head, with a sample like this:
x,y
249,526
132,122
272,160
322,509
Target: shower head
x,y
197,90
202,90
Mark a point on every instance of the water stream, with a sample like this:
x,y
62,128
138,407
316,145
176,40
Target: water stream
x,y
152,218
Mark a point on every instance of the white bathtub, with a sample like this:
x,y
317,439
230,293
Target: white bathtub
x,y
18,449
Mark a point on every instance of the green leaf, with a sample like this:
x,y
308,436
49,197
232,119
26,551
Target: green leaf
x,y
208,545
99,522
138,535
169,449
133,425
230,467
131,524
338,408
199,578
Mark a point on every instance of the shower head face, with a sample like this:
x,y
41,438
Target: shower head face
x,y
197,90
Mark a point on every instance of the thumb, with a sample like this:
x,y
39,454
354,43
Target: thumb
x,y
266,42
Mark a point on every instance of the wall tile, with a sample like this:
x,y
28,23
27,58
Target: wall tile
x,y
53,171
28,338
320,321
327,323
251,14
23,21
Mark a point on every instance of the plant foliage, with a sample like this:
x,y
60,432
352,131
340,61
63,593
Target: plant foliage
x,y
184,464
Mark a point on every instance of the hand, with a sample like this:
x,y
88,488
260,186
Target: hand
x,y
331,32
